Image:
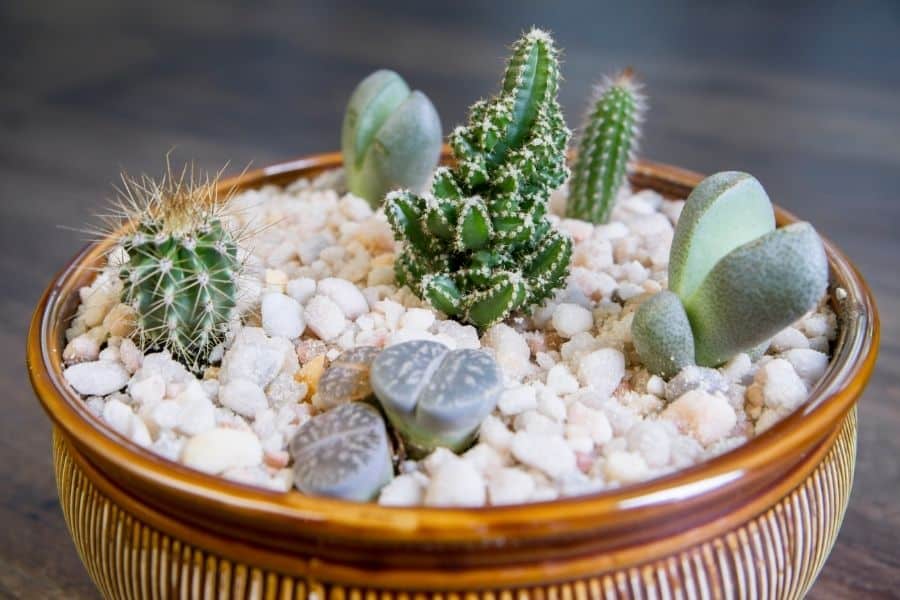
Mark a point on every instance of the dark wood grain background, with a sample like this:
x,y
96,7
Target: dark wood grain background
x,y
804,95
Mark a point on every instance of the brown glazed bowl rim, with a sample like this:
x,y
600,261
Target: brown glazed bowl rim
x,y
690,496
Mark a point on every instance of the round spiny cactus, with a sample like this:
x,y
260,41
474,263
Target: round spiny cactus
x,y
180,275
479,245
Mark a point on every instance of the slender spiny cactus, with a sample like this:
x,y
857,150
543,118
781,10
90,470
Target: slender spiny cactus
x,y
480,246
181,273
608,142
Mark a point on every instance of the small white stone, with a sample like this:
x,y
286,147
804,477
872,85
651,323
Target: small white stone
x,y
602,370
511,350
561,380
392,312
218,450
484,457
456,483
407,335
282,316
346,295
551,405
324,317
197,414
809,364
96,378
533,421
625,467
549,454
707,417
149,390
110,353
738,368
656,385
83,348
651,440
130,355
417,318
403,490
463,336
782,388
569,319
301,289
243,397
787,339
495,433
509,486
163,414
817,325
120,417
437,458
594,421
517,399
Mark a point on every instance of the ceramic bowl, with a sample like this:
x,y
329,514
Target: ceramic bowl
x,y
756,522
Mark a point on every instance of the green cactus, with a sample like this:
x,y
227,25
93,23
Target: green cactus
x,y
181,273
734,280
391,137
480,246
608,142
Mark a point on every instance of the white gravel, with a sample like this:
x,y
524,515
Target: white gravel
x,y
578,413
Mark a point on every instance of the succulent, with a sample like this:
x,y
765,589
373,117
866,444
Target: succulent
x,y
346,379
180,276
608,141
343,453
734,280
391,137
479,245
434,396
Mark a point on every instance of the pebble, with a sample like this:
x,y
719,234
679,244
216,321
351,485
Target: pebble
x,y
781,387
511,350
456,483
243,396
625,467
83,348
149,390
403,490
221,449
651,440
282,316
561,380
253,356
517,399
96,378
120,417
569,319
346,295
494,432
301,289
325,317
602,370
788,339
547,453
197,413
510,486
130,355
809,364
693,377
707,417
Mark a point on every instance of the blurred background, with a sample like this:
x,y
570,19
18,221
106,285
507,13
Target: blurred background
x,y
804,95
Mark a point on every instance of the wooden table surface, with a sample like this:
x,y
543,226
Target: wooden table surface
x,y
806,98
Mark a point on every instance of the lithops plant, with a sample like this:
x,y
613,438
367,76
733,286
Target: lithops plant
x,y
434,396
182,265
343,453
608,141
734,279
391,137
479,245
346,379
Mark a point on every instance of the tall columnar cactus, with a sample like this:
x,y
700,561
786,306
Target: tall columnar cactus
x,y
181,273
734,280
608,142
479,245
391,137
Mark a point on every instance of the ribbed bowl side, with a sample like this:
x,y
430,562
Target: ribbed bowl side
x,y
775,555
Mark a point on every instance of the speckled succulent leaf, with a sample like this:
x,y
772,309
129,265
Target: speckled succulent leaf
x,y
434,396
182,267
346,379
662,334
343,453
607,145
755,291
391,137
479,245
724,211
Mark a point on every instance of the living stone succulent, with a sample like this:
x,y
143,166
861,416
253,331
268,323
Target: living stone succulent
x,y
479,245
434,396
608,141
391,137
180,276
734,279
346,379
343,453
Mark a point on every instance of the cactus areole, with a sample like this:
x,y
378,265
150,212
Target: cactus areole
x,y
479,245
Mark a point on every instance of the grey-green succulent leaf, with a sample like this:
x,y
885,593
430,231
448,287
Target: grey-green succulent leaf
x,y
755,291
662,334
391,137
724,211
343,453
434,396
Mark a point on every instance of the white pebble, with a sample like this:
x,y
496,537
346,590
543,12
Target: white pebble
x,y
656,385
403,490
547,453
651,440
594,421
551,405
781,387
625,467
130,355
511,350
484,457
96,378
197,413
149,390
510,486
602,370
787,339
83,348
417,318
809,364
122,419
495,433
707,417
456,483
254,356
282,316
243,397
301,289
220,449
738,368
517,399
561,380
437,458
346,295
324,317
569,319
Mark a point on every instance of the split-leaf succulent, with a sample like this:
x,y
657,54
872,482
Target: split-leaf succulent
x,y
734,279
608,141
434,396
180,276
391,137
479,245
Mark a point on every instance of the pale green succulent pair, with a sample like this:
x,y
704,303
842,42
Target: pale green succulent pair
x,y
734,279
